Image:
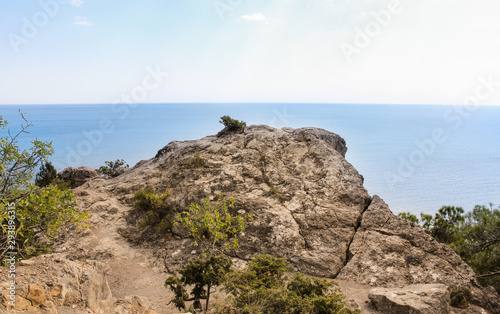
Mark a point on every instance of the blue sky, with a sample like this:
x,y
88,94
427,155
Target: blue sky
x,y
332,51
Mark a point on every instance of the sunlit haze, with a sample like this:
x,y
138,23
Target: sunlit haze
x,y
389,52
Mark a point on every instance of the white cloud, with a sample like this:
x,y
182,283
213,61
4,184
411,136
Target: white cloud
x,y
76,2
81,20
254,17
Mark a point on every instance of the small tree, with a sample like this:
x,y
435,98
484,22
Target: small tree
x,y
113,168
212,225
216,231
231,124
46,175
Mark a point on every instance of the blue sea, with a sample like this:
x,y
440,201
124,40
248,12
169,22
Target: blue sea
x,y
417,158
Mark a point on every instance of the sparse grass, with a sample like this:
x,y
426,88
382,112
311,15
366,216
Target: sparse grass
x,y
274,192
194,162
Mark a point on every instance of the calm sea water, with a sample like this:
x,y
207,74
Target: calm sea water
x,y
417,158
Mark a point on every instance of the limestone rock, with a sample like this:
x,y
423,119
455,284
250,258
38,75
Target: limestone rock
x,y
36,294
413,299
307,200
132,305
78,176
389,251
52,280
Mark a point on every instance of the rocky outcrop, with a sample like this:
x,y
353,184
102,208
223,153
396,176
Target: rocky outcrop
x,y
414,299
78,176
307,200
388,251
51,281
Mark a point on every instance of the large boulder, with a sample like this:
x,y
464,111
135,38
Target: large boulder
x,y
388,251
307,200
78,176
413,299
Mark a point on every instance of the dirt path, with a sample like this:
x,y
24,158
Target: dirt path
x,y
132,270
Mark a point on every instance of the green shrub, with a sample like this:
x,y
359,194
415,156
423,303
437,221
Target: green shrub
x,y
113,168
459,296
195,162
264,288
216,231
152,210
29,213
212,225
47,175
409,216
44,212
231,124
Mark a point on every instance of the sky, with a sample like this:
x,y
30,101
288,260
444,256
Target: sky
x,y
322,51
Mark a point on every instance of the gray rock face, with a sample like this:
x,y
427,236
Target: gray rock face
x,y
414,299
78,176
388,251
307,200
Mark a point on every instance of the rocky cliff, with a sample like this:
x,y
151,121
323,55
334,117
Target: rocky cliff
x,y
308,202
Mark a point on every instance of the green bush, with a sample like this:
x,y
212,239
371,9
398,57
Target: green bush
x,y
152,210
113,168
459,296
409,216
30,215
264,288
43,213
231,124
212,225
216,231
274,192
195,162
